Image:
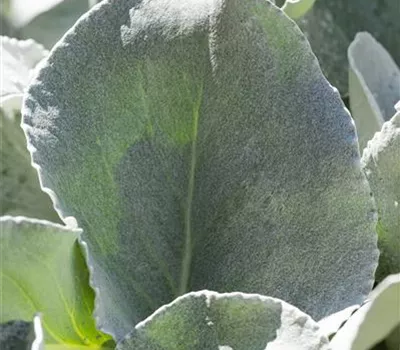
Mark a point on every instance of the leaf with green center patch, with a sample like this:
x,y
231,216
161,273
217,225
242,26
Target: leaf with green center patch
x,y
381,163
212,321
374,321
18,59
43,270
374,86
20,191
332,24
199,146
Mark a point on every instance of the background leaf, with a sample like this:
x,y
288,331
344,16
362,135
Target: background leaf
x,y
18,59
21,14
42,269
208,320
50,26
297,8
331,25
186,135
20,191
381,163
373,321
374,86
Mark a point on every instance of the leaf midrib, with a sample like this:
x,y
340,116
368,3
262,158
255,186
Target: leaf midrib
x,y
187,254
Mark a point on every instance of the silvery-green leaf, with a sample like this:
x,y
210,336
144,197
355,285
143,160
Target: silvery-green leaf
x,y
20,191
43,270
373,321
50,26
212,321
381,163
297,8
18,59
332,24
199,146
374,86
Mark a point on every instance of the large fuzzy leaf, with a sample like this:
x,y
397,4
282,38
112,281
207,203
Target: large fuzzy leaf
x,y
373,321
199,146
42,269
212,321
332,24
20,191
50,26
18,59
381,163
374,86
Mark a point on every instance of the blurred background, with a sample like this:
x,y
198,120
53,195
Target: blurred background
x,y
42,20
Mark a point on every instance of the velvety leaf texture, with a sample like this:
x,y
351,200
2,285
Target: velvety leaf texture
x,y
20,191
43,270
381,163
374,86
373,321
331,26
212,321
199,146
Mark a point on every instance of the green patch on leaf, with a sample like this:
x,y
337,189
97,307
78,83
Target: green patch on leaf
x,y
208,320
185,135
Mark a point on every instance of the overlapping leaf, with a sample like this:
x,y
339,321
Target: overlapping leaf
x,y
20,191
381,163
21,14
199,146
49,26
373,321
212,321
374,86
18,59
297,8
332,24
42,269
